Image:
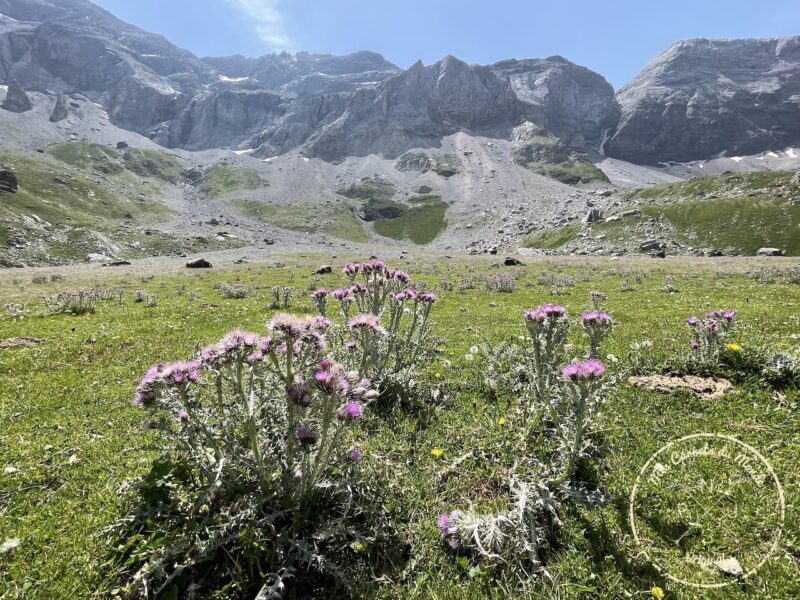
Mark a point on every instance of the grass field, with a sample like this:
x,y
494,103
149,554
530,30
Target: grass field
x,y
223,180
70,437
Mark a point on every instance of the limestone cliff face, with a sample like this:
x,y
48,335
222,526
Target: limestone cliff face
x,y
697,99
703,97
573,102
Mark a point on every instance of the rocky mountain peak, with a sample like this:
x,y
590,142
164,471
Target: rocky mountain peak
x,y
700,98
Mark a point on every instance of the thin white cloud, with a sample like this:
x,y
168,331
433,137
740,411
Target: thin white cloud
x,y
267,20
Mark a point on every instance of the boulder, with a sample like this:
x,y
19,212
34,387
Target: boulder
x,y
122,145
97,258
593,216
8,181
117,263
324,270
651,245
632,213
16,99
771,252
60,111
614,219
604,193
512,262
200,263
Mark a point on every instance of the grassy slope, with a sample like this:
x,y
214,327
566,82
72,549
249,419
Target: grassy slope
x,y
421,223
741,211
71,398
99,189
223,180
339,222
553,239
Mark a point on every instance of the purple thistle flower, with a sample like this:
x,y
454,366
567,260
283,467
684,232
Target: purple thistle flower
x,y
692,321
354,455
321,324
290,325
351,345
729,315
591,370
351,270
367,321
183,416
353,411
596,317
428,298
325,364
307,436
358,288
445,523
536,316
300,394
553,310
326,381
695,344
320,294
398,297
401,276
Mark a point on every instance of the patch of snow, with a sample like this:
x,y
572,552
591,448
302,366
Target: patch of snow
x,y
3,88
793,152
737,158
151,56
305,158
227,79
772,154
240,152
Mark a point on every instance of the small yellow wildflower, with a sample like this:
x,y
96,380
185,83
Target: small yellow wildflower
x,y
734,347
501,421
438,375
657,593
437,452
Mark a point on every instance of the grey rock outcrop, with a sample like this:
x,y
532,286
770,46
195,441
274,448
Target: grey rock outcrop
x,y
770,252
16,99
8,181
60,111
576,104
702,97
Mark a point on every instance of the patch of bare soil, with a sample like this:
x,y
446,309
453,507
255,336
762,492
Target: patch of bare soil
x,y
19,343
709,388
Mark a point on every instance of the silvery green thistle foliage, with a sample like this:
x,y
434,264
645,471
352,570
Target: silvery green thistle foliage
x,y
548,327
710,336
255,408
383,321
264,425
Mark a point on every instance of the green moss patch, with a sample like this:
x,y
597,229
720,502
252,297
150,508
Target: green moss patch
x,y
554,238
223,180
420,224
338,221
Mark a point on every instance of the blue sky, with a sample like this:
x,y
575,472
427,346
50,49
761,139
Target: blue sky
x,y
613,37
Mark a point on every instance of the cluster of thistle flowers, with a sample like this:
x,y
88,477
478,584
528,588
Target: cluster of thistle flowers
x,y
74,302
710,335
262,406
534,506
386,321
281,297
